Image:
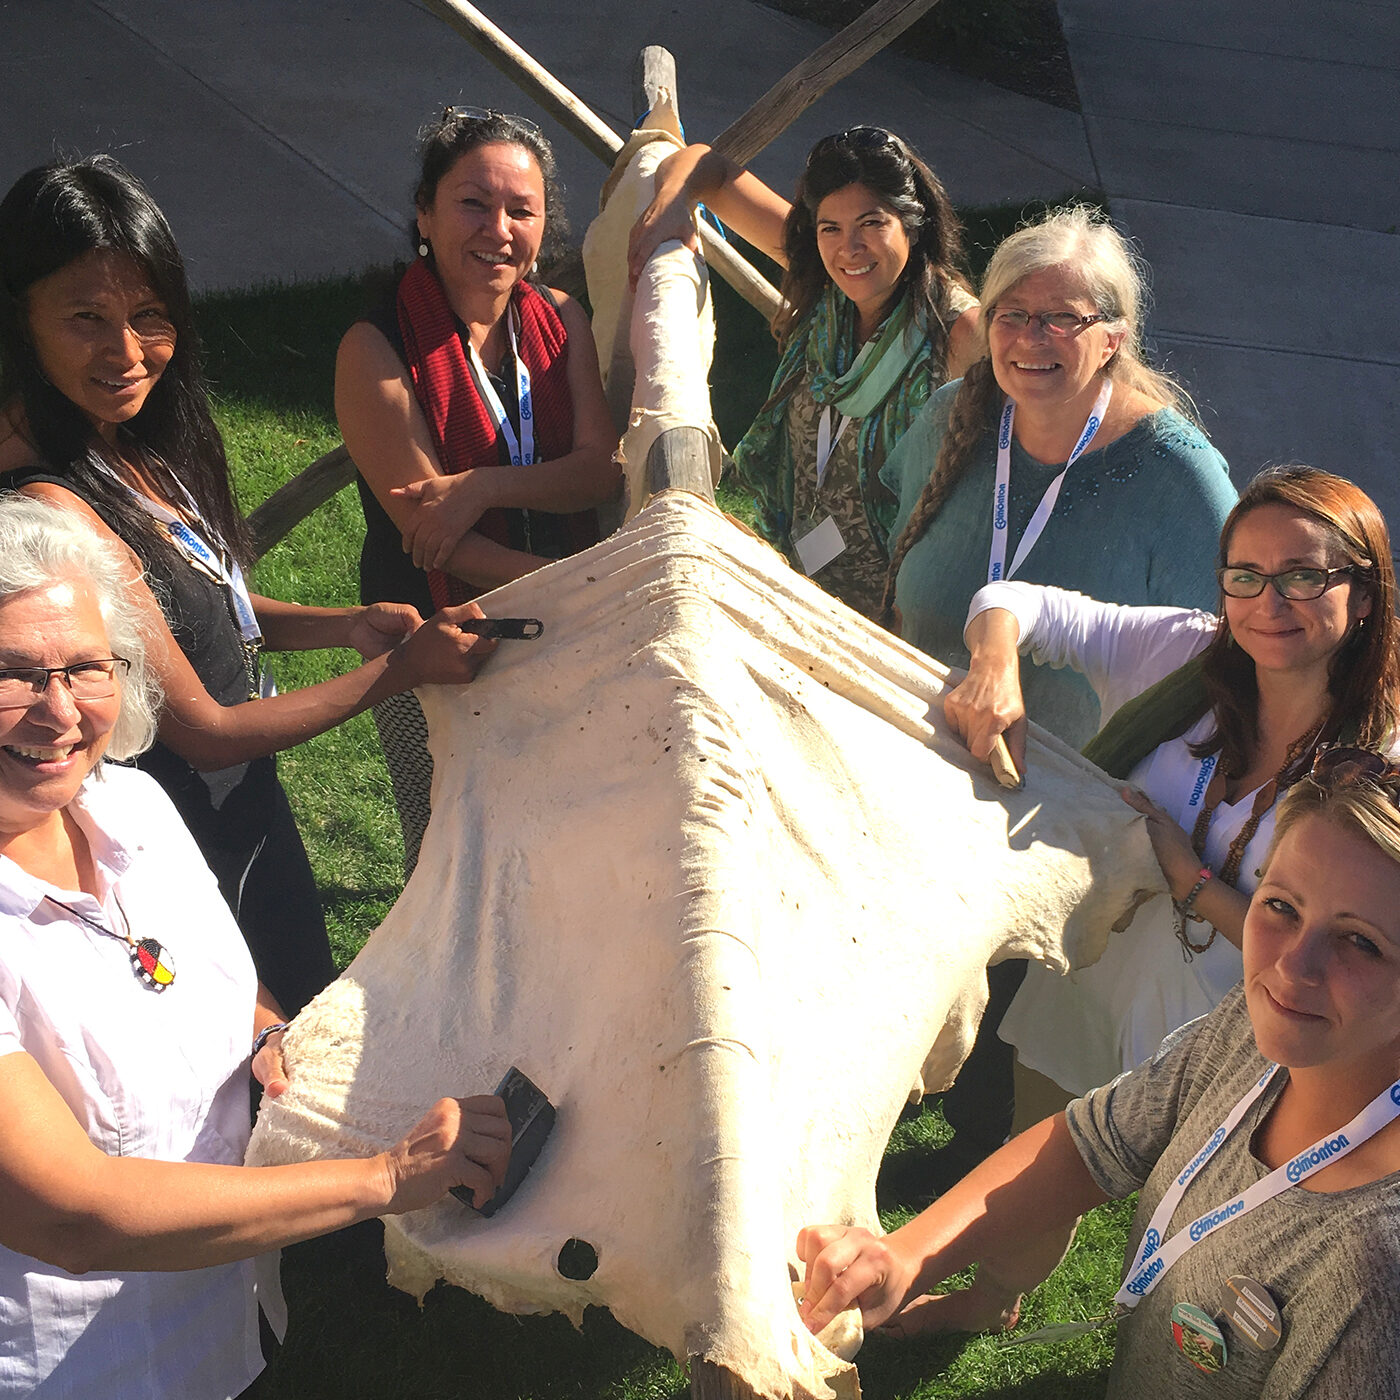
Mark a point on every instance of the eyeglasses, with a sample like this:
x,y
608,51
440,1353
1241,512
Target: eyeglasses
x,y
23,686
1297,585
489,114
858,138
1051,322
1337,766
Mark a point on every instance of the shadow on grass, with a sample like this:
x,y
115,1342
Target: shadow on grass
x,y
275,345
344,899
353,1337
913,1369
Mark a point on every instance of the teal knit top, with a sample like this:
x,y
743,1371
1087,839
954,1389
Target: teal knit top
x,y
1137,521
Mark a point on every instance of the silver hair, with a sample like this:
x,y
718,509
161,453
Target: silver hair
x,y
41,543
1083,242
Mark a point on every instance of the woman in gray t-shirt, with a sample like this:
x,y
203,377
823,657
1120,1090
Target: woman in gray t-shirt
x,y
1263,1138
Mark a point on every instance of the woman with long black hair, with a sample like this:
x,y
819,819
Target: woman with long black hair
x,y
103,409
877,314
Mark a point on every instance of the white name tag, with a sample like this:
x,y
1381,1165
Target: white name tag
x,y
818,547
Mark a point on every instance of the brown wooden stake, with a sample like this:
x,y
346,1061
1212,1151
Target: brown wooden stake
x,y
796,90
679,460
292,502
498,48
711,1382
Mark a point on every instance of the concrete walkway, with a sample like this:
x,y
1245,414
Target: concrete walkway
x,y
1252,148
1254,151
279,134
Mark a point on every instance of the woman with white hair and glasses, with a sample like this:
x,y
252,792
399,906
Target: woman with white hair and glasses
x,y
1060,458
129,1010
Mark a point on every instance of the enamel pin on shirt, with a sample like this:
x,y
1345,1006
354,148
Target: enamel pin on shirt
x,y
1199,1338
1250,1309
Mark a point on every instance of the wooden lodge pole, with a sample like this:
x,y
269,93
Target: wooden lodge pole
x,y
797,89
499,49
576,116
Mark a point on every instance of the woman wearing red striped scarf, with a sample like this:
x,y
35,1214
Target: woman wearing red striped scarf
x,y
471,404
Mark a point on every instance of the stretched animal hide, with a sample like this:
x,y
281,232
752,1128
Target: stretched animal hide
x,y
705,864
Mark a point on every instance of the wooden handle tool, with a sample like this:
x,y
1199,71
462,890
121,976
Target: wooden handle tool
x,y
1004,766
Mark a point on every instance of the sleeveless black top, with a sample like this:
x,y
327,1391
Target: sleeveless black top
x,y
387,574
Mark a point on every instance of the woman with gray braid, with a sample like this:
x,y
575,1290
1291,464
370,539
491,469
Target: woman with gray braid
x,y
1060,458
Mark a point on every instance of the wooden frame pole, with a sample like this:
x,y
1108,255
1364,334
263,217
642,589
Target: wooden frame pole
x,y
576,116
797,89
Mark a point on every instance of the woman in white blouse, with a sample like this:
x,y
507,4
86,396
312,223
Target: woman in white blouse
x,y
1227,713
129,1010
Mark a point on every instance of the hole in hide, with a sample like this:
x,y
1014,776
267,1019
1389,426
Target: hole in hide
x,y
578,1260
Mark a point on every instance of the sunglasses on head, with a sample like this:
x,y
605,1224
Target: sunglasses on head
x,y
856,138
1337,766
488,114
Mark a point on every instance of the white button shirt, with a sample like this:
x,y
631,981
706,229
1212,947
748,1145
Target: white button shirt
x,y
147,1075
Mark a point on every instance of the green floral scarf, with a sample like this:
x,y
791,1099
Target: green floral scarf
x,y
882,387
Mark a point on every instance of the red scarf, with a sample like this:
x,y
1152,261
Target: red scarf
x,y
463,430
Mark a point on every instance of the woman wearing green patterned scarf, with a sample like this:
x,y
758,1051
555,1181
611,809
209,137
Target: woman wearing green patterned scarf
x,y
877,316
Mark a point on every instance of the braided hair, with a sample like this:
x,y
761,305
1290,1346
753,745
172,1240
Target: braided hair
x,y
1083,242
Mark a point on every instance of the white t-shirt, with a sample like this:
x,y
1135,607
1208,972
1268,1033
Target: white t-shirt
x,y
152,1075
1087,1027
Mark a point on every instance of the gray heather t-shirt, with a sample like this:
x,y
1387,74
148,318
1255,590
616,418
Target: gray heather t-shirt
x,y
1330,1260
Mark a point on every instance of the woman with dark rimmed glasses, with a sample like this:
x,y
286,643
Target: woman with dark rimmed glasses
x,y
471,403
1210,719
878,313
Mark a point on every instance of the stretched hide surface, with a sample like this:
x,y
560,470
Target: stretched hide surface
x,y
705,865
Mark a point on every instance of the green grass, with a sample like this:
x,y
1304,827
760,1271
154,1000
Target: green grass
x,y
270,354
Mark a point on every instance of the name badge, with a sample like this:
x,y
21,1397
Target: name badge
x,y
819,546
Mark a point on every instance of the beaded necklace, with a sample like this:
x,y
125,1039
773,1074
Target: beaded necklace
x,y
1263,800
150,959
